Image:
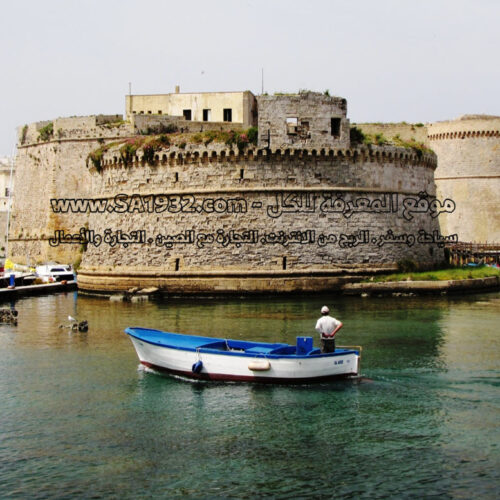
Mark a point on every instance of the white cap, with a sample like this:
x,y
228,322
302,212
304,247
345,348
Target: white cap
x,y
325,310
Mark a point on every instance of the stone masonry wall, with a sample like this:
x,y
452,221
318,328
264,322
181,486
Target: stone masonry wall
x,y
469,173
211,219
302,120
55,168
215,219
406,131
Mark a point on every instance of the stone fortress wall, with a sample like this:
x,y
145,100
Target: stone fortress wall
x,y
291,214
50,163
468,151
257,220
469,172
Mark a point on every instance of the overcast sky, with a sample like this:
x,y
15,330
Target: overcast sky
x,y
394,60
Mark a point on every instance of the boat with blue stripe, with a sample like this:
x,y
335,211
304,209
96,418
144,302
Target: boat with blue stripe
x,y
208,358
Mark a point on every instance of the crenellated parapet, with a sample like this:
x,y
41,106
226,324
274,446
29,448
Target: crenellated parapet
x,y
214,219
463,134
221,154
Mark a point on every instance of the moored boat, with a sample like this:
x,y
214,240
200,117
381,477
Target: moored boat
x,y
237,360
51,273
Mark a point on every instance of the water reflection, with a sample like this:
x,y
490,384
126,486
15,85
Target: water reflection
x,y
80,419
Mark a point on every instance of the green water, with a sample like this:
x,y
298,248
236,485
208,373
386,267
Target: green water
x,y
80,419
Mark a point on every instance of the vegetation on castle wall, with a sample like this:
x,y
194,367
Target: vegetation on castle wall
x,y
129,149
357,137
240,138
171,128
95,157
24,133
419,147
46,133
149,145
115,124
253,135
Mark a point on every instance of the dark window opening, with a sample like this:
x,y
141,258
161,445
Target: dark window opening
x,y
207,115
284,263
187,114
228,115
177,264
159,111
176,176
336,127
149,112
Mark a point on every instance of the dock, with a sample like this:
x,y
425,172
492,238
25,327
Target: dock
x,y
27,290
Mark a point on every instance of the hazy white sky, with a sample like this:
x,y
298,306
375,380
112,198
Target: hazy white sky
x,y
394,60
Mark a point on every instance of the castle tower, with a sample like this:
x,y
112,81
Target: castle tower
x,y
468,172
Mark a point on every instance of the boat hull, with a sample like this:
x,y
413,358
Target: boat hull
x,y
237,365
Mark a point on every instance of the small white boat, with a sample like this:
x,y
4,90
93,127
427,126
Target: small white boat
x,y
51,273
236,360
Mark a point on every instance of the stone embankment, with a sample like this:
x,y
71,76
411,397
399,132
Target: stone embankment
x,y
402,288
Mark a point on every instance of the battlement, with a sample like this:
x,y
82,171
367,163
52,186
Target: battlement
x,y
467,126
221,153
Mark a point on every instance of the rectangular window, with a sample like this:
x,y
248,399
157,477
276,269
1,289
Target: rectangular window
x,y
159,111
336,127
187,114
291,126
228,115
207,115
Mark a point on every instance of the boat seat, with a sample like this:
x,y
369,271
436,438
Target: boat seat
x,y
259,350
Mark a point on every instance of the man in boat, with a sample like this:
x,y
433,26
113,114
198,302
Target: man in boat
x,y
327,328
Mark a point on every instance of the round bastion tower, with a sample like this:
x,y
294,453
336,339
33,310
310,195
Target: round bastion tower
x,y
187,204
468,172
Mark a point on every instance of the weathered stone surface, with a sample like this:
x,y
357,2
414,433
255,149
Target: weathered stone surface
x,y
469,173
305,120
211,219
403,288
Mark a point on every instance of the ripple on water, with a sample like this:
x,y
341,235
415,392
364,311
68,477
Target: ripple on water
x,y
79,419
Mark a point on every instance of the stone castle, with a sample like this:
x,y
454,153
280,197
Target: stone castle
x,y
159,199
